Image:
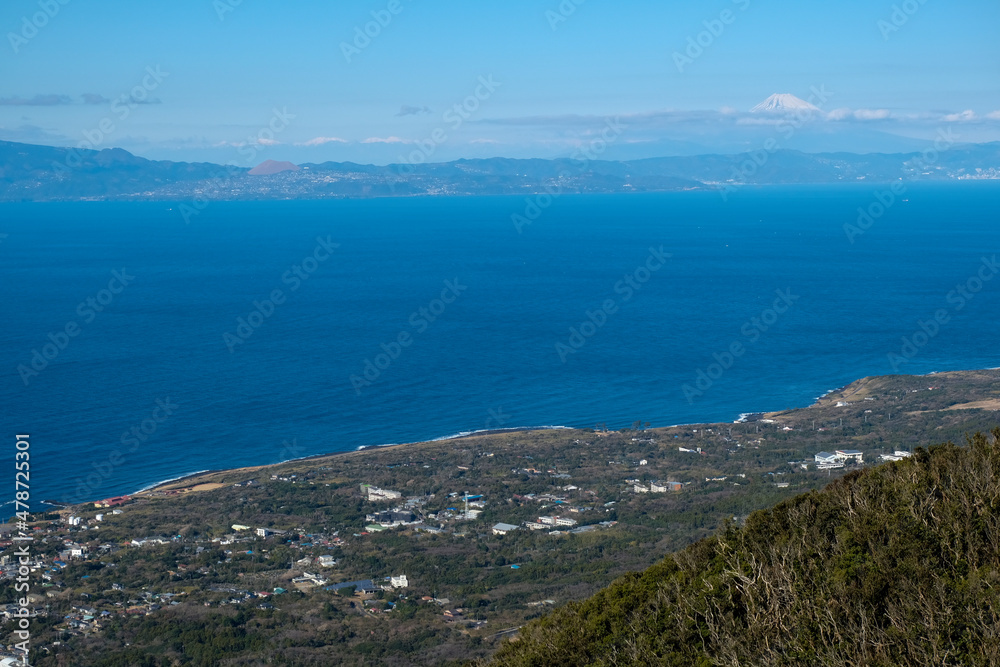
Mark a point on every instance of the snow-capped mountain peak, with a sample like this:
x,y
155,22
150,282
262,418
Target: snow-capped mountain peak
x,y
784,102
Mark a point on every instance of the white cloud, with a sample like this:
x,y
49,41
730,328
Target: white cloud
x,y
871,114
33,134
240,144
762,120
993,115
484,141
858,114
386,140
407,110
966,115
319,141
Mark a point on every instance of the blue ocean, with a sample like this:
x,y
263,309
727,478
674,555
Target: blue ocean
x,y
139,346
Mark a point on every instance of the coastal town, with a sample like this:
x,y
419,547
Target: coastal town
x,y
473,536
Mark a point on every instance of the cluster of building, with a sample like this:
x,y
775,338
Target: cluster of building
x,y
655,487
391,519
410,514
550,522
78,521
546,497
838,459
368,587
842,457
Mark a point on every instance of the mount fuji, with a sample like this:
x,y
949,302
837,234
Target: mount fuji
x,y
784,102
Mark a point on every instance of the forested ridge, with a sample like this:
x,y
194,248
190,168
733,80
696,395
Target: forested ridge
x,y
893,565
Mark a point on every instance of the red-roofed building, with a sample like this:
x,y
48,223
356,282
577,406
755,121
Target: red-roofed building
x,y
113,502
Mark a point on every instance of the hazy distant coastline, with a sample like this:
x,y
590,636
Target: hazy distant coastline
x,y
44,173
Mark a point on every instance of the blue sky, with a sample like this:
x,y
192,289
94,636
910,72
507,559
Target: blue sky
x,y
896,74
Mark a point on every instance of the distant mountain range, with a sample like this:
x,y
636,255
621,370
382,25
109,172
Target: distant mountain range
x,y
44,173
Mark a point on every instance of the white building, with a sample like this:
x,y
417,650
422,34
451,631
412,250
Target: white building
x,y
846,455
310,579
563,521
826,461
399,582
74,521
639,488
326,561
375,493
503,528
898,455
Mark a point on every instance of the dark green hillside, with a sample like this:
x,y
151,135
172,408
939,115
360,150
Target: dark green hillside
x,y
893,565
